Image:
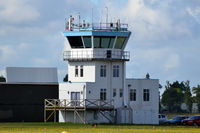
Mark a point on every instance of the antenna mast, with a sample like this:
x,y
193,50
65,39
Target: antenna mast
x,y
106,16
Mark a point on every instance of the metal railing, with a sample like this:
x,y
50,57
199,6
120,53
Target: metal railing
x,y
92,54
96,26
84,103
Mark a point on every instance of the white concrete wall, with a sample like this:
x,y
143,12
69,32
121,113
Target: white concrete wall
x,y
144,112
88,71
31,75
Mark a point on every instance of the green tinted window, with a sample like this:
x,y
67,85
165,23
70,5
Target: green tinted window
x,y
96,42
105,42
112,39
87,41
75,41
119,42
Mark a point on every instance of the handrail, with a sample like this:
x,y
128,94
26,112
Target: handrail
x,y
92,54
85,103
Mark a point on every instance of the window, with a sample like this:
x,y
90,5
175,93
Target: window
x,y
103,42
146,95
81,71
87,41
120,92
75,41
76,71
115,71
103,71
120,42
132,94
114,92
103,94
97,42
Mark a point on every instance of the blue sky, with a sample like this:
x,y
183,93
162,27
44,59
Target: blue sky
x,y
165,37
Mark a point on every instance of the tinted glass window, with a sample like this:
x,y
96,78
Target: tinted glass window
x,y
87,41
96,42
112,39
119,42
75,41
105,42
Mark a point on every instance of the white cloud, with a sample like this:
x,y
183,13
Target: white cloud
x,y
195,13
13,11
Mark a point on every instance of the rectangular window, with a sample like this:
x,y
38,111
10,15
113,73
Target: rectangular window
x,y
146,95
120,42
87,41
116,71
114,92
103,94
76,71
132,94
103,71
75,41
81,71
120,92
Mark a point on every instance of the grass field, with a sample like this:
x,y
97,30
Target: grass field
x,y
80,128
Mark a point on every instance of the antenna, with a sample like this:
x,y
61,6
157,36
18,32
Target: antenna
x,y
106,15
92,17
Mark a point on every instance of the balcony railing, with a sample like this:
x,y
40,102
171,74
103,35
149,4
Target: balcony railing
x,y
96,54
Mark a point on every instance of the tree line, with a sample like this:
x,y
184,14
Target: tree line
x,y
177,93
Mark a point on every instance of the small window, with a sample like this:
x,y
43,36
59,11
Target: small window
x,y
112,39
76,71
120,92
103,71
87,41
81,71
97,42
146,94
116,71
132,94
75,41
114,92
105,42
120,42
103,94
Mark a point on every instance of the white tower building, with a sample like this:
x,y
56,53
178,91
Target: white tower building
x,y
97,90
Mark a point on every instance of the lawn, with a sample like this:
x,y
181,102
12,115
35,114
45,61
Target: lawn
x,y
88,128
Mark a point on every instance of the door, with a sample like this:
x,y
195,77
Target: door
x,y
75,98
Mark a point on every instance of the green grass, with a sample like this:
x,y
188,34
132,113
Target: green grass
x,y
88,128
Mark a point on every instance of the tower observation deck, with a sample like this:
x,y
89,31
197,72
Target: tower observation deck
x,y
96,41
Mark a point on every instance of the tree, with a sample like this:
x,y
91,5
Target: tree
x,y
172,99
196,91
173,96
188,96
65,78
147,76
2,79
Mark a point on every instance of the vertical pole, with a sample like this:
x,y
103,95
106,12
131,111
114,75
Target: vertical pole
x,y
106,16
45,111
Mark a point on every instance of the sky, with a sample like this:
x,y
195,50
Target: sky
x,y
165,40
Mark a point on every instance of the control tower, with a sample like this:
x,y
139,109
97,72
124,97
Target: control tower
x,y
97,90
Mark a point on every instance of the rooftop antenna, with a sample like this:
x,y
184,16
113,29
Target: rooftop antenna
x,y
79,18
106,16
92,17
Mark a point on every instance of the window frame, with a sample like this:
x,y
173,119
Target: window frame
x,y
102,70
115,70
103,94
132,94
76,71
146,95
81,71
120,92
114,92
